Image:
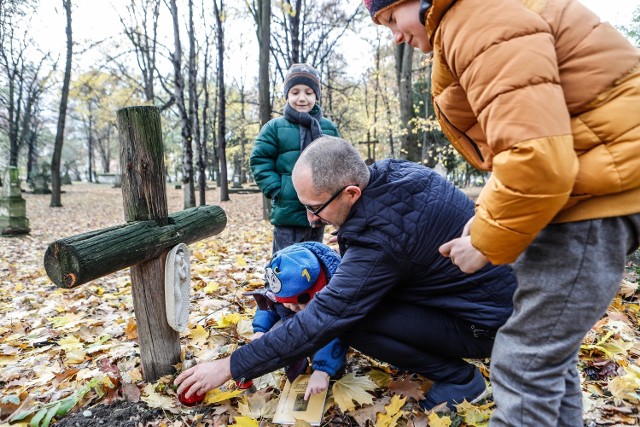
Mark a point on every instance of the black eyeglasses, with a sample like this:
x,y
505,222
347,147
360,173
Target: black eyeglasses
x,y
316,212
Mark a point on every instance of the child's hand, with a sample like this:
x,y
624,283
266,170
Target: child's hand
x,y
318,382
257,335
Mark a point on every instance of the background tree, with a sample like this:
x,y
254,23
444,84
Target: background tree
x,y
409,149
22,84
218,9
193,107
187,148
261,12
62,114
633,30
141,29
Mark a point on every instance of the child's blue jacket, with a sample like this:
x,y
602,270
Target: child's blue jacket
x,y
329,358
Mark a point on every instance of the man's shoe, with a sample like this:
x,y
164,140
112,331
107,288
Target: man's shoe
x,y
454,394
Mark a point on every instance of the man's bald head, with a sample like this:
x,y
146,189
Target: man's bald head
x,y
332,163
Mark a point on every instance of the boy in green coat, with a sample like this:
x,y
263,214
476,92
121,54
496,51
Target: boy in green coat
x,y
277,149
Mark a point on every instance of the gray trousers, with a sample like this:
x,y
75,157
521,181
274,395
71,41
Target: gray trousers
x,y
284,236
566,279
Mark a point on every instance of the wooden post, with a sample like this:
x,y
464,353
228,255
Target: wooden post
x,y
145,198
75,260
142,243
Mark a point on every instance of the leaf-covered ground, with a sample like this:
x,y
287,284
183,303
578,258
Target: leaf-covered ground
x,y
69,356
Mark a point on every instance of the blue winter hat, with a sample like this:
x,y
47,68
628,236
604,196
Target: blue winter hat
x,y
293,271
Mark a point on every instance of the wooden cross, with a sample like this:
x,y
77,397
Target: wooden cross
x,y
142,243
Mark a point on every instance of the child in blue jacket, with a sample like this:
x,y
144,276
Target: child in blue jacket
x,y
294,275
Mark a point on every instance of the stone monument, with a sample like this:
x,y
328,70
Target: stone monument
x,y
13,208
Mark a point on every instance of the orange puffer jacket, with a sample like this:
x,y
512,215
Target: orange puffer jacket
x,y
545,96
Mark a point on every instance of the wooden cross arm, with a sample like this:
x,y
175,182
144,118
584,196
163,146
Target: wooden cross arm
x,y
75,260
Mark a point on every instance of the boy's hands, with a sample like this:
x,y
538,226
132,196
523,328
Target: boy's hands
x,y
204,377
462,253
318,382
256,335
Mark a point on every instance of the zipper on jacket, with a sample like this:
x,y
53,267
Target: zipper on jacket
x,y
473,144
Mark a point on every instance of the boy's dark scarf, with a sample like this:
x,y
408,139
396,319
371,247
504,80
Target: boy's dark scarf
x,y
309,123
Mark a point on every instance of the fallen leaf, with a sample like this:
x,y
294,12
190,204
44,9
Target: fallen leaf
x,y
352,388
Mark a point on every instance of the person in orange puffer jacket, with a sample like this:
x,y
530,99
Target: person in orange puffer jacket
x,y
547,98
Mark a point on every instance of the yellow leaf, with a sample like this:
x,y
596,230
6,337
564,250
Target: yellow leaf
x,y
386,420
473,415
131,330
351,388
396,404
73,349
257,406
436,421
246,422
211,287
216,395
156,400
228,320
382,379
65,321
198,255
240,261
623,388
199,334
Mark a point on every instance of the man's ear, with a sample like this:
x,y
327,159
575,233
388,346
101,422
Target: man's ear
x,y
354,193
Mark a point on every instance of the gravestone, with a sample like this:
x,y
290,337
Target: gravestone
x,y
13,208
66,178
440,169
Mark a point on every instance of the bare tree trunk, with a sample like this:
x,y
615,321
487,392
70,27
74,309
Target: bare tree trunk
x,y
264,41
222,145
62,115
187,150
294,18
205,110
193,107
263,21
409,149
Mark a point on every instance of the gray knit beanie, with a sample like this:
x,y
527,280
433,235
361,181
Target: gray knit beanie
x,y
302,74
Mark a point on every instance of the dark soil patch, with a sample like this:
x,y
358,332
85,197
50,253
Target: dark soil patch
x,y
120,413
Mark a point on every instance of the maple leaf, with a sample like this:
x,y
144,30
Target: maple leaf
x,y
350,389
628,289
436,420
211,287
381,378
624,387
158,400
228,319
369,413
199,335
393,412
409,387
257,405
473,415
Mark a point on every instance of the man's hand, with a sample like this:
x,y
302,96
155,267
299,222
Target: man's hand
x,y
318,382
204,377
256,335
464,255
